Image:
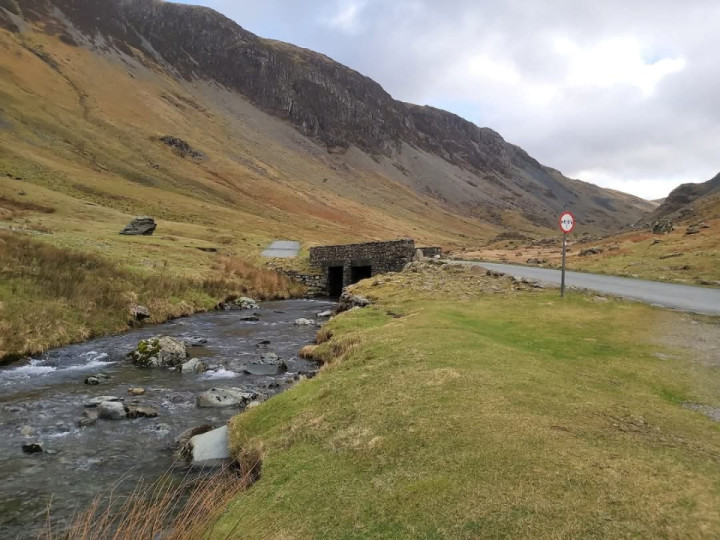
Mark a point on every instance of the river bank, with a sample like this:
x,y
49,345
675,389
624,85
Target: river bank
x,y
50,297
43,399
461,405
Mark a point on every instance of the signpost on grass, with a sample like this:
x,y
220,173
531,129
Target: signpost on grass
x,y
567,224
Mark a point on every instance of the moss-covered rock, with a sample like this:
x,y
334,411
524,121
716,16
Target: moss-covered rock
x,y
159,351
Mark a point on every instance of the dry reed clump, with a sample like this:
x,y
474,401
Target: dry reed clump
x,y
167,509
264,283
308,352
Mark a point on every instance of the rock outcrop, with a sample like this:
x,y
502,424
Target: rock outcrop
x,y
140,226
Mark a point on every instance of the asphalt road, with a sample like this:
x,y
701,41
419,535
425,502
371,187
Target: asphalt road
x,y
282,249
683,297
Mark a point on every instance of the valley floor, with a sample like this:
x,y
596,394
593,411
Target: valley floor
x,y
461,406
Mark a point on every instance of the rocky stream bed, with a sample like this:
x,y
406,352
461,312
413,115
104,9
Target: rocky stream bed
x,y
45,401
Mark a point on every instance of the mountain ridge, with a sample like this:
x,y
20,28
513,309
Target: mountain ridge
x,y
335,106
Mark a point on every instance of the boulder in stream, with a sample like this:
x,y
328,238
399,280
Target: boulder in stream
x,y
194,365
138,411
137,391
210,448
265,369
94,402
182,443
97,378
225,397
32,448
161,351
304,322
111,410
88,418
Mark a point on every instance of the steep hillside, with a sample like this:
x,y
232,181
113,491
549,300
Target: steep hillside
x,y
275,141
691,201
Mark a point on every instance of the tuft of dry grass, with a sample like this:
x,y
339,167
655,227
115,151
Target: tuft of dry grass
x,y
308,352
323,335
167,508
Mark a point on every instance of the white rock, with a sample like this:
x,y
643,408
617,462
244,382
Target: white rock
x,y
210,448
193,366
224,397
304,322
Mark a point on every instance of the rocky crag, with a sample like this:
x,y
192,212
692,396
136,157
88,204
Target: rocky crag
x,y
469,169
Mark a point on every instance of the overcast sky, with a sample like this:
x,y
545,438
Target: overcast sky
x,y
621,93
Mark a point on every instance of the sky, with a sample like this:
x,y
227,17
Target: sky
x,y
621,93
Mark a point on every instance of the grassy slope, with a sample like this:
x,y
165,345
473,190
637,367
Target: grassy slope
x,y
486,414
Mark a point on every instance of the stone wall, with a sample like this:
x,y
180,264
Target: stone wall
x,y
316,283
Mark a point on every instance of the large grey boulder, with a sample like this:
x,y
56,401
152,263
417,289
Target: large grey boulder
x,y
162,351
111,410
210,448
225,397
140,226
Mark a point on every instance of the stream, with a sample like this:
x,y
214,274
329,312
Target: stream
x,y
42,399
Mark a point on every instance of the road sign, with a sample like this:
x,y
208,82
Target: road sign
x,y
567,222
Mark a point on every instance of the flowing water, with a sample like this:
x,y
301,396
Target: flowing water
x,y
42,399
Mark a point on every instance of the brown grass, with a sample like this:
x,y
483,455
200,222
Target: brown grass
x,y
172,510
11,209
264,282
50,296
308,352
323,335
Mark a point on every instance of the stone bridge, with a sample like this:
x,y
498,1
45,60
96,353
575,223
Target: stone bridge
x,y
344,265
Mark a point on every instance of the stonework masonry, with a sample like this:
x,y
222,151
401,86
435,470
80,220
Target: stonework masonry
x,y
336,267
346,264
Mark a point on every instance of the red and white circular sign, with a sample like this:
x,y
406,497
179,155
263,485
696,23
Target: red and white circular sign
x,y
567,222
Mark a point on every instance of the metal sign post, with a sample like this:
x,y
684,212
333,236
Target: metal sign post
x,y
567,224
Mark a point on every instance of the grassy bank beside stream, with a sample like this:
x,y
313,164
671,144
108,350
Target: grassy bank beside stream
x,y
458,406
51,296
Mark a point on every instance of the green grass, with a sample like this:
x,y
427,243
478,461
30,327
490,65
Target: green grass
x,y
489,415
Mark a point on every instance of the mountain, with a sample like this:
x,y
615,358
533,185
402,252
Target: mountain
x,y
148,107
691,201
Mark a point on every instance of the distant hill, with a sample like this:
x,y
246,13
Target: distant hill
x,y
691,200
142,106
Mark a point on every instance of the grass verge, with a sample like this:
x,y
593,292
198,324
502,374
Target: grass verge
x,y
465,408
50,296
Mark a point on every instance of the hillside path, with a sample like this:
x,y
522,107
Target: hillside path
x,y
683,297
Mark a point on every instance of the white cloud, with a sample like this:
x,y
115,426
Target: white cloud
x,y
346,17
614,61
